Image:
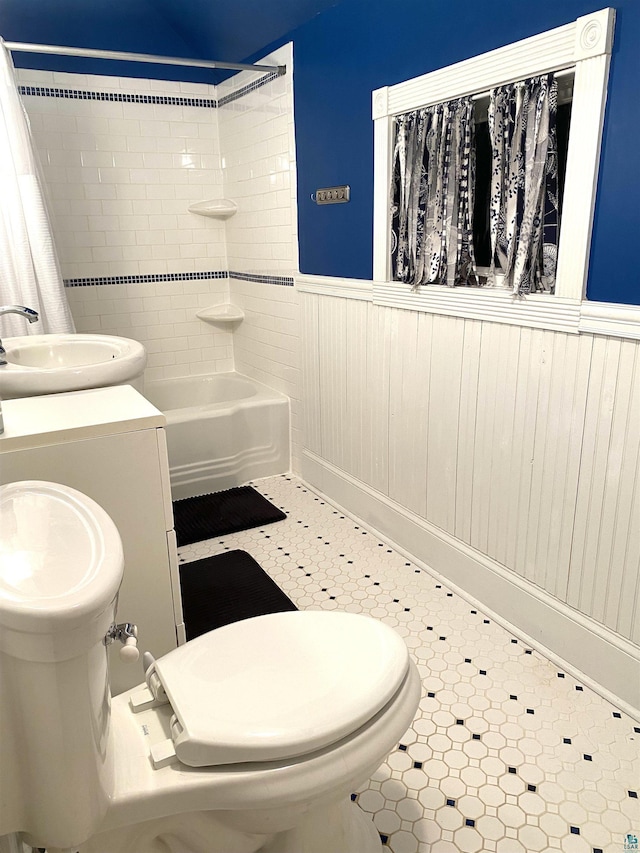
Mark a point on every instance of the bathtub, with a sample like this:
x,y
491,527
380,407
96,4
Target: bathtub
x,y
223,429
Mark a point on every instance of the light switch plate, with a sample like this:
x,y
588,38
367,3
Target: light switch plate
x,y
333,195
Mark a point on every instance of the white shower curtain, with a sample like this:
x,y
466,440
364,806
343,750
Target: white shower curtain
x,y
29,270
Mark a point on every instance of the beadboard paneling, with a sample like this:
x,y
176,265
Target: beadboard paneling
x,y
522,443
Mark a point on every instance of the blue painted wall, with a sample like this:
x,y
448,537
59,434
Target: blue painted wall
x,y
195,29
348,51
341,55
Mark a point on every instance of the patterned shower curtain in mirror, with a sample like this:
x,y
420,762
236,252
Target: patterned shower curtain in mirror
x,y
432,195
29,270
524,184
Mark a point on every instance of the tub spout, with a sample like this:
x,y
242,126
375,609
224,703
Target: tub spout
x,y
31,316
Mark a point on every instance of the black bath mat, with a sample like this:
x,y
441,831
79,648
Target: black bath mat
x,y
227,588
208,516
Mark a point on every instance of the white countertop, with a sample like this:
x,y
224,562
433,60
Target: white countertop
x,y
77,415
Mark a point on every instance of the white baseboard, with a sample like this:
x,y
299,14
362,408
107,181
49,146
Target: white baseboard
x,y
597,656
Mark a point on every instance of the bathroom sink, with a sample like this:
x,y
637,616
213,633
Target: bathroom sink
x,y
49,364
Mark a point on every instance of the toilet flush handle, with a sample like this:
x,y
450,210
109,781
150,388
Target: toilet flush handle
x,y
127,634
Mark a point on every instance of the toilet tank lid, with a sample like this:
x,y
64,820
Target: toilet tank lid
x,y
60,557
279,686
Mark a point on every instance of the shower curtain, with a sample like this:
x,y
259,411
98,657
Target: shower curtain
x,y
29,270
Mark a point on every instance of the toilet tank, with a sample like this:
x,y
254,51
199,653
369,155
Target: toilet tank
x,y
60,569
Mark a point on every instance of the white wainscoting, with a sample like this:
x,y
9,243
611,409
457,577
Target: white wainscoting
x,y
505,457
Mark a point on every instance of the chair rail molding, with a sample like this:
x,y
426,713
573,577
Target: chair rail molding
x,y
489,304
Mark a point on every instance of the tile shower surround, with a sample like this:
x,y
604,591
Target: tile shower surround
x,y
123,158
507,753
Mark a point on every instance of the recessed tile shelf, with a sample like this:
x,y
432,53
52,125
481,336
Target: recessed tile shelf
x,y
221,208
224,313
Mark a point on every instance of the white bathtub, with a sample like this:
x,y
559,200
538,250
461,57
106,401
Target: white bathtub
x,y
223,429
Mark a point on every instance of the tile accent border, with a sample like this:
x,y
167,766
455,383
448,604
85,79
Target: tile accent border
x,y
122,97
134,98
250,87
144,279
283,280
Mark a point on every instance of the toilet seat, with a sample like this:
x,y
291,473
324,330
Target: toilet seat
x,y
278,686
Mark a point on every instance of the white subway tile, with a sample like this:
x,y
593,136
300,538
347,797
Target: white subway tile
x,y
177,208
168,112
96,159
134,84
151,374
140,144
143,176
154,128
145,237
144,206
87,238
133,223
34,77
162,251
157,160
161,222
101,82
128,159
192,250
165,87
130,305
182,129
160,330
113,175
190,300
129,191
181,265
111,110
170,237
200,90
106,254
90,124
177,316
109,142
73,223
137,253
169,288
116,207
160,192
89,324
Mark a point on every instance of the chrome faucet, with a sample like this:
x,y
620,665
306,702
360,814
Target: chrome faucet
x,y
29,313
31,316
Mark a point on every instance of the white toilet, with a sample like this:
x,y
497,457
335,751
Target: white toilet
x,y
250,737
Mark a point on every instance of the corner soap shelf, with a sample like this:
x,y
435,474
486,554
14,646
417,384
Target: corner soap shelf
x,y
219,207
224,314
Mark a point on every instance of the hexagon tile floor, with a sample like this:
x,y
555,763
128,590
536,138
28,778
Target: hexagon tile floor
x,y
507,752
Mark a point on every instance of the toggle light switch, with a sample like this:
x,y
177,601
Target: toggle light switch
x,y
333,195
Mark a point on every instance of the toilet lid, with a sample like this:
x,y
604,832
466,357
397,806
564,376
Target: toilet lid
x,y
280,685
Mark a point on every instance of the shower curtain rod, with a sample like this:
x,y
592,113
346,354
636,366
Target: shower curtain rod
x,y
89,53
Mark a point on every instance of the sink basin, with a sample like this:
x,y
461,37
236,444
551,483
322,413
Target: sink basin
x,y
50,364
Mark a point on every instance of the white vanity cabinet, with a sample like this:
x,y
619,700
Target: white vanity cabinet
x,y
109,443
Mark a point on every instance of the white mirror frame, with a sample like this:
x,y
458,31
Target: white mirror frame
x,y
584,45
